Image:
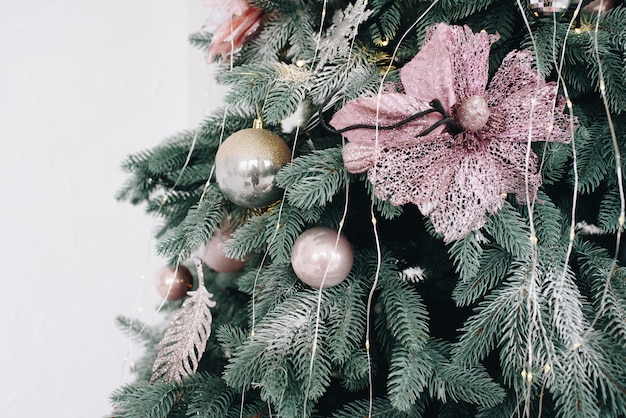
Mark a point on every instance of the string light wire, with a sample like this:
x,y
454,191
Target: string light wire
x,y
373,220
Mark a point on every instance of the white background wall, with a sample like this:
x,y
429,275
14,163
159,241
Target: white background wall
x,y
83,83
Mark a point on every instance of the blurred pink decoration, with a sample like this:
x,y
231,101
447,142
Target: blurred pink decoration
x,y
242,25
600,6
456,179
214,255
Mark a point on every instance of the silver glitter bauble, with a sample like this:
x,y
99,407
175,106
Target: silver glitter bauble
x,y
543,8
246,164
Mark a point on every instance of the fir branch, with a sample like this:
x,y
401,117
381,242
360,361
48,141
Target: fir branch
x,y
567,311
510,408
313,179
593,145
574,391
136,161
208,396
354,76
280,87
466,253
608,292
381,408
548,35
495,316
472,385
549,221
250,83
185,340
451,10
510,231
499,17
494,264
248,238
303,36
408,376
554,157
196,229
407,317
346,321
277,355
138,331
277,229
288,91
201,39
384,22
282,228
355,371
271,286
142,399
222,123
609,54
275,36
283,7
609,215
384,207
230,338
173,206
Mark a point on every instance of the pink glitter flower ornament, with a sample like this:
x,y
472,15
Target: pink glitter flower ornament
x,y
455,176
243,24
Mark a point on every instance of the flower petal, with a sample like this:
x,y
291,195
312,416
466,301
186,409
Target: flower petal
x,y
230,36
384,110
452,65
514,74
429,74
525,104
358,158
456,188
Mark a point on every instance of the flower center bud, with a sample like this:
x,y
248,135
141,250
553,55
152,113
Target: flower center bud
x,y
473,113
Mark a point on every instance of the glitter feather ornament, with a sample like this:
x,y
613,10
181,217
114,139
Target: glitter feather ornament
x,y
185,340
455,176
340,35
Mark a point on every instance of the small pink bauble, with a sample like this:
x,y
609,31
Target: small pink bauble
x,y
214,255
320,252
473,113
174,285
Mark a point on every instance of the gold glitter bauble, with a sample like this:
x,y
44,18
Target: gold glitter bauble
x,y
246,164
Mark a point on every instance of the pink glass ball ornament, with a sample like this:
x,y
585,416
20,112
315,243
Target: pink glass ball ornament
x,y
174,284
215,257
321,258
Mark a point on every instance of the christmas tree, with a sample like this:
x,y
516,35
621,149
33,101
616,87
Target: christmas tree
x,y
401,209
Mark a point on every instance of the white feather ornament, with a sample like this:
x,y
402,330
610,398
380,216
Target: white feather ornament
x,y
185,340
